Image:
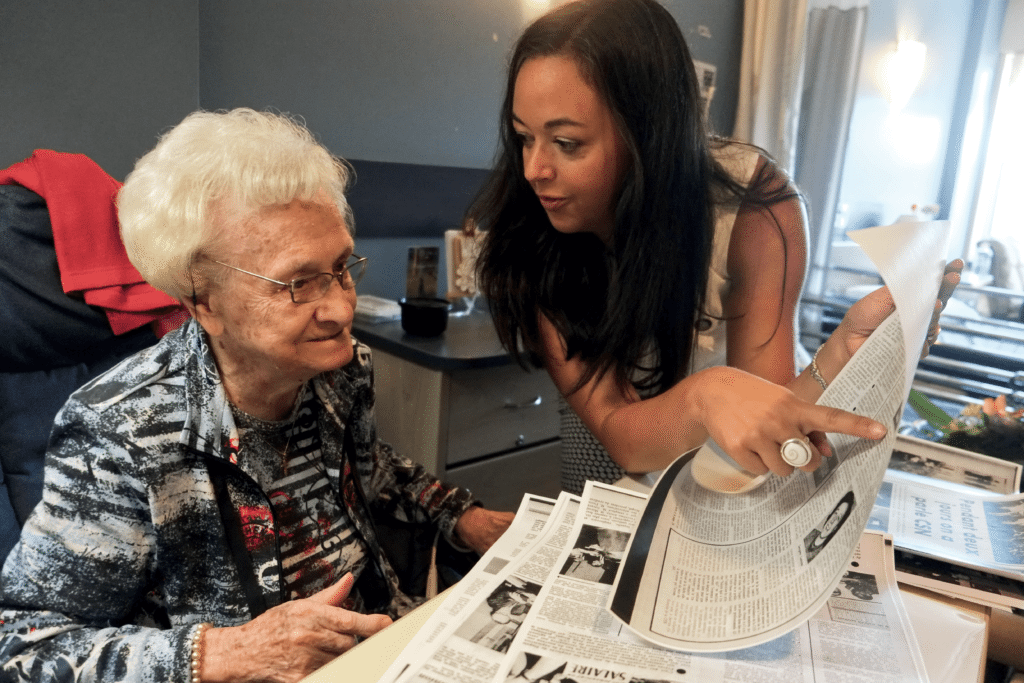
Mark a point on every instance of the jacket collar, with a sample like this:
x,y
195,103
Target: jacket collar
x,y
209,425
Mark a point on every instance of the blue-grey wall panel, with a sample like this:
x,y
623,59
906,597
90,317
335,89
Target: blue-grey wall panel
x,y
391,80
412,200
409,81
100,77
714,32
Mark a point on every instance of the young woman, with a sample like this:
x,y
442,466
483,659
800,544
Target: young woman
x,y
653,269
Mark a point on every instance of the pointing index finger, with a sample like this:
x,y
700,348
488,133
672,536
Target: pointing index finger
x,y
838,421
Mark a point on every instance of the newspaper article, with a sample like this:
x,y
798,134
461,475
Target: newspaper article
x,y
954,470
710,571
468,635
973,529
543,619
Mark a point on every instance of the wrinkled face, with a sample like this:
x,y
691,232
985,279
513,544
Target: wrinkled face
x,y
573,155
255,327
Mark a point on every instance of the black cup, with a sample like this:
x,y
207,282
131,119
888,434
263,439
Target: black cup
x,y
424,316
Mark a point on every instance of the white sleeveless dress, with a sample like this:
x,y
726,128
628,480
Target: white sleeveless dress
x,y
583,456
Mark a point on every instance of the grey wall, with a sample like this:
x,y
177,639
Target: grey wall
x,y
408,81
100,77
413,81
721,46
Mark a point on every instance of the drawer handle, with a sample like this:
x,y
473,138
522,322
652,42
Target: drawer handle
x,y
510,405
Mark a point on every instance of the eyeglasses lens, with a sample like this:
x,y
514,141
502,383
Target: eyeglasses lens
x,y
309,289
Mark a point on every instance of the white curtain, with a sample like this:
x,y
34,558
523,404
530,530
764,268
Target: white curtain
x,y
798,78
1013,28
835,41
767,111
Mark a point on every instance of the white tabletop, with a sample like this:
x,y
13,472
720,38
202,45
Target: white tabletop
x,y
367,661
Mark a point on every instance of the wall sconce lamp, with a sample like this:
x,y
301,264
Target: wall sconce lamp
x,y
901,71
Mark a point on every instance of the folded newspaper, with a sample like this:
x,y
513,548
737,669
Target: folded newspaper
x,y
945,507
708,571
955,517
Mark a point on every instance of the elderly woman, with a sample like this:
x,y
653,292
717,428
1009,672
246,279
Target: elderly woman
x,y
206,513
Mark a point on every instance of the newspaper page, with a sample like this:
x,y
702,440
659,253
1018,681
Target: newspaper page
x,y
973,529
466,639
528,529
954,470
709,571
421,628
958,581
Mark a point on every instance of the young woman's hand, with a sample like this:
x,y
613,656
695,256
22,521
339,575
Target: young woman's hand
x,y
867,314
950,279
750,418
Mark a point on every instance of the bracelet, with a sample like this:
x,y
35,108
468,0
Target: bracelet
x,y
815,372
197,651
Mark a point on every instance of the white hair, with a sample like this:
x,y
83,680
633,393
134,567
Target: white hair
x,y
252,159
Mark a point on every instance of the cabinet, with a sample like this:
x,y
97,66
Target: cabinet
x,y
458,405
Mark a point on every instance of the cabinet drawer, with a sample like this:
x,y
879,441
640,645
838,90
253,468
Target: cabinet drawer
x,y
500,481
497,409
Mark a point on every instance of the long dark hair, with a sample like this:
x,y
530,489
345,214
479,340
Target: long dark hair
x,y
611,307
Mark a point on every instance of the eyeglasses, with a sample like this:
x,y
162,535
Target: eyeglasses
x,y
311,288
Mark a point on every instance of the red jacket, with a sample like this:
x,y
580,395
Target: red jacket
x,y
90,255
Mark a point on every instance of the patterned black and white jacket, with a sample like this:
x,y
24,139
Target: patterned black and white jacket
x,y
150,524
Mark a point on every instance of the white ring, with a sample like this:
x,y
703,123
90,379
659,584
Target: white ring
x,y
797,452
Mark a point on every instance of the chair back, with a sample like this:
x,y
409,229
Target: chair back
x,y
51,344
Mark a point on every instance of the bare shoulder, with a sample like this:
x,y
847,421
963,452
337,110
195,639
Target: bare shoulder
x,y
772,217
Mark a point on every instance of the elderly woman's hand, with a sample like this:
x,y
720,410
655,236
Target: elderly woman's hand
x,y
290,641
479,528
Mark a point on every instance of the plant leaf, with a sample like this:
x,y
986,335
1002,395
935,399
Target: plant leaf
x,y
934,415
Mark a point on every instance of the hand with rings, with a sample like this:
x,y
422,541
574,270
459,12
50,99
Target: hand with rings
x,y
751,419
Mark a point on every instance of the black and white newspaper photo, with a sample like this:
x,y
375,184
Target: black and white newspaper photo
x,y
488,582
468,637
955,467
